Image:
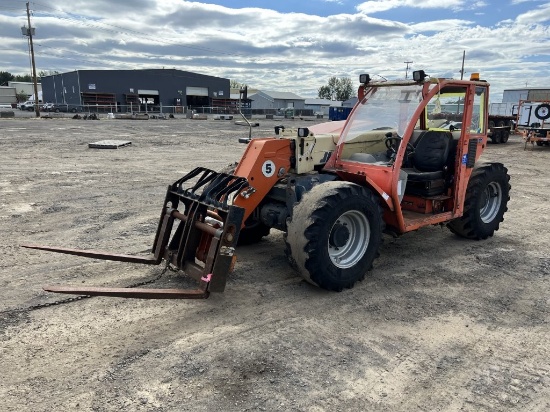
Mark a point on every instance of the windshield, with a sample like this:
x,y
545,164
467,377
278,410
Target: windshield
x,y
384,108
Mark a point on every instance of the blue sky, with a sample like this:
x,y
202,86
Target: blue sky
x,y
287,45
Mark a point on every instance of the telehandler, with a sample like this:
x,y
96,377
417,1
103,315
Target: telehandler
x,y
395,165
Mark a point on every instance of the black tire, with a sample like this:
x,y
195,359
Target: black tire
x,y
505,135
57,110
486,202
543,111
496,136
252,232
335,234
491,124
538,143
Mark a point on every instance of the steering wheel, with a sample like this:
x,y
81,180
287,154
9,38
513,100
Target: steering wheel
x,y
393,142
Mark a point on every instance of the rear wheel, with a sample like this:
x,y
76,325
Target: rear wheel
x,y
504,136
496,136
486,202
335,234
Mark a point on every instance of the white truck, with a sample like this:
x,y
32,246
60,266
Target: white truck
x,y
7,97
29,105
525,113
520,108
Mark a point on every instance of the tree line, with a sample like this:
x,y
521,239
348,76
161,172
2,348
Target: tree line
x,y
340,89
6,77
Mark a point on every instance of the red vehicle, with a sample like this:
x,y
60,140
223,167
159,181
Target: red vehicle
x,y
395,165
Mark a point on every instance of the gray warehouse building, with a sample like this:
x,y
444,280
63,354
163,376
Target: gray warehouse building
x,y
134,90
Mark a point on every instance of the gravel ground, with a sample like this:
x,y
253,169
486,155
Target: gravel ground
x,y
441,323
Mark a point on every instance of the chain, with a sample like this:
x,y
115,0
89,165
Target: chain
x,y
80,297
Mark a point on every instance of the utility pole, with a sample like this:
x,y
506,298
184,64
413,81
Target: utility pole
x,y
29,33
462,69
407,69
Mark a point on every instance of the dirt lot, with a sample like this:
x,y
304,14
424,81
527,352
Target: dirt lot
x,y
441,323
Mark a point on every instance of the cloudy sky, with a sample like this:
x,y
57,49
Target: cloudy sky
x,y
286,45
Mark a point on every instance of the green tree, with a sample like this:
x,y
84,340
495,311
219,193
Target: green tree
x,y
345,89
44,73
5,77
336,89
22,78
21,96
234,84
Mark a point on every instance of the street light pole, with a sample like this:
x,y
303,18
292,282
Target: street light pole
x,y
407,69
29,32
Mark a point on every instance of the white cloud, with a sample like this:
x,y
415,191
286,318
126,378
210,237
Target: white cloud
x,y
375,6
538,15
440,25
276,51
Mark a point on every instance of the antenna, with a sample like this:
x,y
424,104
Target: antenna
x,y
407,69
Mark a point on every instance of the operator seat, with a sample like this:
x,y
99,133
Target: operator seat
x,y
427,174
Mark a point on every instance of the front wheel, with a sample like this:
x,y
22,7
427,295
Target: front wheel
x,y
485,203
335,234
252,232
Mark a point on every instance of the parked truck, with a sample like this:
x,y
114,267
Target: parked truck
x,y
8,96
521,108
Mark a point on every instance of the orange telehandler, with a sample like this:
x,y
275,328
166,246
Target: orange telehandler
x,y
395,165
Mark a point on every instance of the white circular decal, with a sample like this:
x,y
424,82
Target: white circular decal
x,y
268,168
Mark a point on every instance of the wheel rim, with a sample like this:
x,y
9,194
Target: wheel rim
x,y
492,199
349,239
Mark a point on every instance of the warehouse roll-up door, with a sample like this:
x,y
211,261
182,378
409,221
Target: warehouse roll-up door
x,y
149,100
197,96
196,91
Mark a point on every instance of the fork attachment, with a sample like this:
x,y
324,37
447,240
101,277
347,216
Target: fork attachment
x,y
197,233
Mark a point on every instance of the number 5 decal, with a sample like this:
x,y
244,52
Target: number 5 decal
x,y
268,168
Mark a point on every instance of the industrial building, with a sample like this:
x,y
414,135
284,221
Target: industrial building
x,y
265,100
25,88
321,106
134,90
538,94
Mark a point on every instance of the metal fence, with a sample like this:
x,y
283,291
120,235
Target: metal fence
x,y
161,109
